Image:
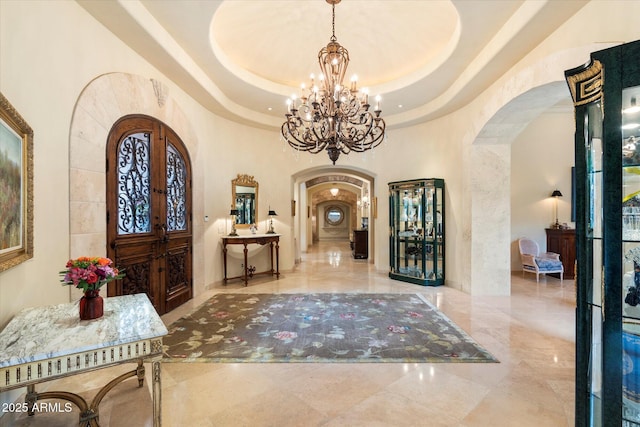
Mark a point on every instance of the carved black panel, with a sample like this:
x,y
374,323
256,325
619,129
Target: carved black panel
x,y
177,271
137,279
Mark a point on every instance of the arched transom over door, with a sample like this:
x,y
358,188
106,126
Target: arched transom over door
x,y
149,230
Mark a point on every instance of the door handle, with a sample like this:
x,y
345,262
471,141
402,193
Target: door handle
x,y
165,236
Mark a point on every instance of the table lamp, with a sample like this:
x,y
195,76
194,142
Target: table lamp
x,y
555,195
272,213
234,214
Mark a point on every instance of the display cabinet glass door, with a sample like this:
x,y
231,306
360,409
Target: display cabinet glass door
x,y
417,231
607,144
631,255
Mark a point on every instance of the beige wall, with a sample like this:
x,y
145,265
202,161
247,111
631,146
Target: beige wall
x,y
45,64
52,50
539,165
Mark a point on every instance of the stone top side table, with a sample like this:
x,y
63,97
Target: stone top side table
x,y
46,343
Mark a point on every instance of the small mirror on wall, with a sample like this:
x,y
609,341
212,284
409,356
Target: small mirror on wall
x,y
244,197
334,215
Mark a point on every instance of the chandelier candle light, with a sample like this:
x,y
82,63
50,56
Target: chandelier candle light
x,y
332,116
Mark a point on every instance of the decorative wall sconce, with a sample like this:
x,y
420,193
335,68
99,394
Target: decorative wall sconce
x,y
272,213
555,195
334,191
365,201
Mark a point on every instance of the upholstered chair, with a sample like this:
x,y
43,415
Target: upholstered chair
x,y
538,263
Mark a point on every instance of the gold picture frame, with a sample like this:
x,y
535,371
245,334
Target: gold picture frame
x,y
16,201
244,198
375,208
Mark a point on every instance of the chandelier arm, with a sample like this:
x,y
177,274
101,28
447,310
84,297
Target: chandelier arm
x,y
350,105
319,132
361,120
324,109
302,144
363,141
361,128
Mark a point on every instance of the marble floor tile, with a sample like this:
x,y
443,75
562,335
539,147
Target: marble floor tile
x,y
531,333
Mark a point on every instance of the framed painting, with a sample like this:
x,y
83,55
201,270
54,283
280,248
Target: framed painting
x,y
16,187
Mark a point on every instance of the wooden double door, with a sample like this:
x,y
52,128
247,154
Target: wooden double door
x,y
149,215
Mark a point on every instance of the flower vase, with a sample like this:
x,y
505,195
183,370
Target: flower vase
x,y
91,305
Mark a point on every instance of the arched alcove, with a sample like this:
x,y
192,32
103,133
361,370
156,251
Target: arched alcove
x,y
490,186
102,102
507,108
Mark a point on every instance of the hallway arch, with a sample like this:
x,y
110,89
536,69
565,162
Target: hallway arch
x,y
490,186
508,107
359,184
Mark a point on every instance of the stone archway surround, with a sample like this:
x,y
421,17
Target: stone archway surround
x,y
513,102
103,101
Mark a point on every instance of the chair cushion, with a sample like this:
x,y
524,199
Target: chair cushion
x,y
546,264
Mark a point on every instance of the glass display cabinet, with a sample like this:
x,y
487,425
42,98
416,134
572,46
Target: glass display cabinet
x,y
416,241
607,148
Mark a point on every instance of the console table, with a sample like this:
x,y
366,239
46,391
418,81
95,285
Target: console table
x,y
46,343
260,239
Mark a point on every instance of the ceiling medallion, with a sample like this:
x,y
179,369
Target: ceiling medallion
x,y
331,116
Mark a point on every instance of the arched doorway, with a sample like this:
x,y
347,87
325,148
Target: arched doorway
x,y
149,232
94,115
313,188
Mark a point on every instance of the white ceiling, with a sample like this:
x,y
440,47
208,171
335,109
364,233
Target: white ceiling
x,y
242,58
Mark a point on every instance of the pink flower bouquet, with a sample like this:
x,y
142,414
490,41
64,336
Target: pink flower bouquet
x,y
90,273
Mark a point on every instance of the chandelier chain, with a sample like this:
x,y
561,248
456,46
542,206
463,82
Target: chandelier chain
x,y
333,22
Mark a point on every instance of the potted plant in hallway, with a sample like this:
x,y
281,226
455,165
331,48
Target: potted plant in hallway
x,y
90,274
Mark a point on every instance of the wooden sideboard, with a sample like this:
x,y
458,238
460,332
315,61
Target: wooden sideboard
x,y
563,242
360,244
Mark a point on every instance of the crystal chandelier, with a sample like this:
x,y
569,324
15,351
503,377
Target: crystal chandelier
x,y
331,116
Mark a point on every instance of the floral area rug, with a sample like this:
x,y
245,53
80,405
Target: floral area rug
x,y
350,327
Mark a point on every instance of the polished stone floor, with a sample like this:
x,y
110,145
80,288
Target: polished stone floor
x,y
531,333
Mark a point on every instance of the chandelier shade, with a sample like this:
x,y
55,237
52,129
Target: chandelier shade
x,y
330,116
